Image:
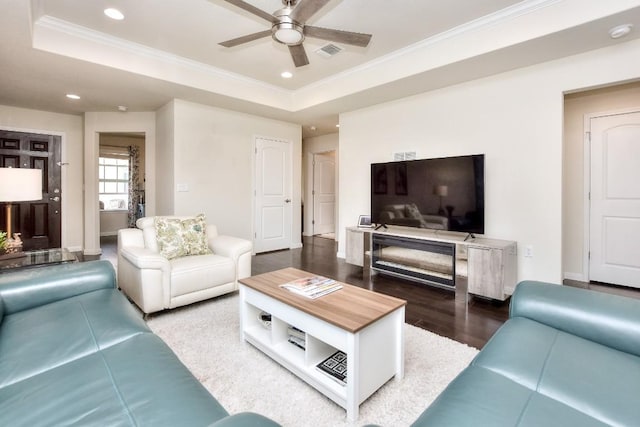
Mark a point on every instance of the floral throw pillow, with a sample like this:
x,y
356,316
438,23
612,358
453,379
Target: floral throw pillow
x,y
177,238
195,235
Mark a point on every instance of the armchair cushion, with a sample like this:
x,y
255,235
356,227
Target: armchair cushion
x,y
181,237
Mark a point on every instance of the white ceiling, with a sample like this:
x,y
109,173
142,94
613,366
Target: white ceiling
x,y
168,49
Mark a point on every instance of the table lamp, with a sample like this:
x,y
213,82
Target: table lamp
x,y
18,185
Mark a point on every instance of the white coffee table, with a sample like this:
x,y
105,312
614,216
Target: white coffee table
x,y
366,326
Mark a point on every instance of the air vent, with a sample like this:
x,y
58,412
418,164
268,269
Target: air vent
x,y
407,155
329,50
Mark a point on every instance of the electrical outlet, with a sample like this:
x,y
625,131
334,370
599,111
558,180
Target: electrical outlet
x,y
528,251
183,187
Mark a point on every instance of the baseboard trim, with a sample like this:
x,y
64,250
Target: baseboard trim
x,y
576,276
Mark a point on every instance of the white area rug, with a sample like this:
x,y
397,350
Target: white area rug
x,y
206,338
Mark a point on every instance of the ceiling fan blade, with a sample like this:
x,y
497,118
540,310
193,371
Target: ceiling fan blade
x,y
339,36
306,9
245,39
299,55
252,9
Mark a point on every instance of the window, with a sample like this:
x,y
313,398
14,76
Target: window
x,y
113,182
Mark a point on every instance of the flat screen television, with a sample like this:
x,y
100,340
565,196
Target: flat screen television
x,y
442,193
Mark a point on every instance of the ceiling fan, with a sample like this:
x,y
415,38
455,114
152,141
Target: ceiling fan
x,y
288,27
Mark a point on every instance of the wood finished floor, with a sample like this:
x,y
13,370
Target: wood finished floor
x,y
440,311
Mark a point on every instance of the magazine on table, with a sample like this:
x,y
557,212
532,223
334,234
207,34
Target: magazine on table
x,y
312,286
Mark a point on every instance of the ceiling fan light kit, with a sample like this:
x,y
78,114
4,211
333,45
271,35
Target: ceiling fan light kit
x,y
288,27
287,33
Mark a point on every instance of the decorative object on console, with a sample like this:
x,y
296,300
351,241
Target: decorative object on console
x,y
17,185
364,221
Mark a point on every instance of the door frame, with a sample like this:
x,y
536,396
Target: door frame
x,y
254,187
96,123
587,182
63,177
307,189
312,177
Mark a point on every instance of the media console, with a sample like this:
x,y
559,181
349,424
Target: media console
x,y
437,258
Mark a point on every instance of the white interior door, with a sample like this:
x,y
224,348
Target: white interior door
x,y
324,193
273,186
615,200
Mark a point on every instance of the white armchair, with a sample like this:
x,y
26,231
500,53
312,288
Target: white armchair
x,y
155,282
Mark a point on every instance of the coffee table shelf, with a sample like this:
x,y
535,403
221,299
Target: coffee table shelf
x,y
373,342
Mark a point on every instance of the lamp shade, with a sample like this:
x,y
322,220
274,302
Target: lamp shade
x,y
20,185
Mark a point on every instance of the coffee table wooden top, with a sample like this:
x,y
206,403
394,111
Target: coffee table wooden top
x,y
350,308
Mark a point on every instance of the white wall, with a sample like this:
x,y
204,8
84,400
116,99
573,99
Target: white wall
x,y
94,124
112,221
164,159
212,151
515,119
311,146
576,106
69,127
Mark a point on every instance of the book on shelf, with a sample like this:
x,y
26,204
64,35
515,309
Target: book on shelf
x,y
295,332
335,367
312,287
297,337
298,342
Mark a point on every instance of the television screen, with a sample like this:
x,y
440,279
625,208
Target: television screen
x,y
442,194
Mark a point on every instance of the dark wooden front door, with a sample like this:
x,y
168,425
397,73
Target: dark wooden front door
x,y
38,221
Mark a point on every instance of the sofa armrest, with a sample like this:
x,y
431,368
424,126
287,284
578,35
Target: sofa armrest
x,y
228,246
611,320
144,258
245,419
28,288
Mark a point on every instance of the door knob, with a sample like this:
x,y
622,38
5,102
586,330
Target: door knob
x,y
287,200
55,199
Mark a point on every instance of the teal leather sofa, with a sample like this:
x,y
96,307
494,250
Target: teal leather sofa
x,y
566,357
73,351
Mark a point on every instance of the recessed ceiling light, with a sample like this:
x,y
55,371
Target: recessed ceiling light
x,y
72,96
620,31
286,74
114,14
313,127
122,108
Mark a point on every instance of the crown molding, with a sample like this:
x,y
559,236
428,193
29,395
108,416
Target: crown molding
x,y
52,25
